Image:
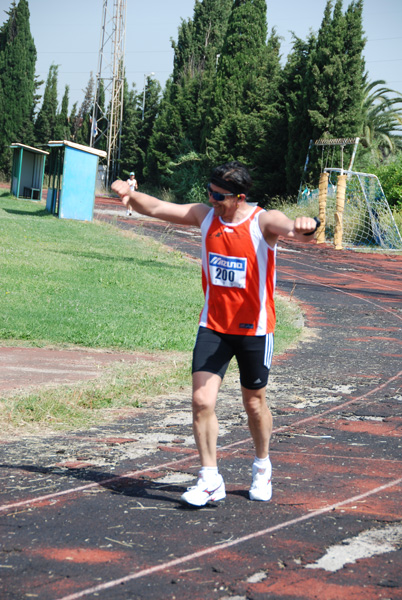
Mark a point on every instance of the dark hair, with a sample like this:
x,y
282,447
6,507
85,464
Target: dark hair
x,y
235,174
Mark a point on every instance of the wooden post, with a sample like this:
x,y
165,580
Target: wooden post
x,y
340,204
322,202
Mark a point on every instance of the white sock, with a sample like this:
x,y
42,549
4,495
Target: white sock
x,y
208,473
262,463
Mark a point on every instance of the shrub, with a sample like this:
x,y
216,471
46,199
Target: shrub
x,y
390,176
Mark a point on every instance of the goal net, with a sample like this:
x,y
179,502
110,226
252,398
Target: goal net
x,y
353,209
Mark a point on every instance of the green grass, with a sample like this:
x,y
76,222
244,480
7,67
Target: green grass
x,y
67,283
121,387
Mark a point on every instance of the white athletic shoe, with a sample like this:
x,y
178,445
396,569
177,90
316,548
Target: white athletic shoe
x,y
204,492
261,488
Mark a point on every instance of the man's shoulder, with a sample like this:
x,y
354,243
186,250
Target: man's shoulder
x,y
205,213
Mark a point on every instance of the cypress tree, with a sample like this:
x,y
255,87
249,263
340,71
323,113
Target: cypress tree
x,y
72,121
337,73
196,64
328,101
328,89
62,128
247,119
45,124
82,124
269,156
354,67
149,111
17,80
243,58
295,94
130,156
165,141
178,139
137,131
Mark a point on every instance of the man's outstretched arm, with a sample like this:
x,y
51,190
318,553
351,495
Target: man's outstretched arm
x,y
275,224
183,214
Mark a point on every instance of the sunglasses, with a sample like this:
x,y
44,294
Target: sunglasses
x,y
217,195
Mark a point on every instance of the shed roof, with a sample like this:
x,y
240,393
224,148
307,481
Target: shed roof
x,y
30,148
55,144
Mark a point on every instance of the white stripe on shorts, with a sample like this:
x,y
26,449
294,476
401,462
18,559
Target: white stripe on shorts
x,y
269,349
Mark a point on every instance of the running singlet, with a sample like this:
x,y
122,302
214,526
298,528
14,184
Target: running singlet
x,y
238,277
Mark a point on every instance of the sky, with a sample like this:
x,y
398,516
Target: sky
x,y
68,34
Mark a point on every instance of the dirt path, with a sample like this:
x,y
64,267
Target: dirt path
x,y
28,368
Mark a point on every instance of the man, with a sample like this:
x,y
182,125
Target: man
x,y
238,317
132,182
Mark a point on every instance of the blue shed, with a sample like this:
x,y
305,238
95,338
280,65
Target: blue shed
x,y
27,171
73,170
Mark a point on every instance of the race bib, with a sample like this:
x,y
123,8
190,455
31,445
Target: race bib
x,y
227,271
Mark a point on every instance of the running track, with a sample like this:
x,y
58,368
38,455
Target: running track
x,y
116,529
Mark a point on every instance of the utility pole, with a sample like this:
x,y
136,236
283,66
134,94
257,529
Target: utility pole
x,y
107,112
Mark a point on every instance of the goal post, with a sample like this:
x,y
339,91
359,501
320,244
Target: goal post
x,y
341,142
340,207
322,205
340,187
352,206
367,217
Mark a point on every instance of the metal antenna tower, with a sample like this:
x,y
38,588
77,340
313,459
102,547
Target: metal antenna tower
x,y
108,106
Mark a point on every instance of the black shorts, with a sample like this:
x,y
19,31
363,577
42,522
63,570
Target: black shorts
x,y
213,352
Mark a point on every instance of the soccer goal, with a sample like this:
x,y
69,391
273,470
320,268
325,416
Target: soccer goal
x,y
352,207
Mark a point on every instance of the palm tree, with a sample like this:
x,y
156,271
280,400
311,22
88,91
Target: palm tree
x,y
382,125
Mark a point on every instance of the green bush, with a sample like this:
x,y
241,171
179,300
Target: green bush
x,y
390,176
187,178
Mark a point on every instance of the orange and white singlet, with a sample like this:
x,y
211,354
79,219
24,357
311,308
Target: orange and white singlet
x,y
238,277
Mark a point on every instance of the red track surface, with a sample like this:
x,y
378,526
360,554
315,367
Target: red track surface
x,y
84,515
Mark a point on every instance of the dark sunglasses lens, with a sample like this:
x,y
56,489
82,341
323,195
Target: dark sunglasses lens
x,y
215,195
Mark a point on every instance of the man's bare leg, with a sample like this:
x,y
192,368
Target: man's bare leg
x,y
260,425
205,423
210,486
259,419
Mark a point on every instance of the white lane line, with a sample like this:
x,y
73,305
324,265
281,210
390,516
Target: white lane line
x,y
333,287
190,457
356,277
214,549
76,370
329,410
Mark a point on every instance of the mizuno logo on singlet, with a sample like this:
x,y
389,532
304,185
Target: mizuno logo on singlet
x,y
238,264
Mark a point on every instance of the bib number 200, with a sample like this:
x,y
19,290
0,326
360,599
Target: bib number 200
x,y
225,275
227,271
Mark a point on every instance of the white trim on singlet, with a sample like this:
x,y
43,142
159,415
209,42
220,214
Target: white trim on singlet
x,y
250,215
261,251
205,225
